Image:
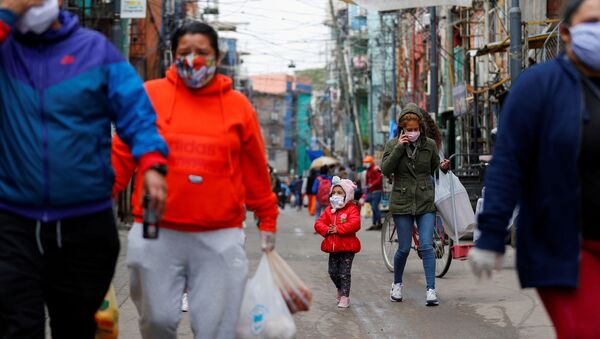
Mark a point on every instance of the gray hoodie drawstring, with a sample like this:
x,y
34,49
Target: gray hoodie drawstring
x,y
38,238
38,235
58,234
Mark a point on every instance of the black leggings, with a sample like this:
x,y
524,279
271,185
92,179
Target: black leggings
x,y
71,277
340,267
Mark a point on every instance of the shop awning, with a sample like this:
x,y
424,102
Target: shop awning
x,y
392,5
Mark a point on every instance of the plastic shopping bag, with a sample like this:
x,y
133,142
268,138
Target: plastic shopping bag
x,y
367,210
454,205
294,291
107,317
264,314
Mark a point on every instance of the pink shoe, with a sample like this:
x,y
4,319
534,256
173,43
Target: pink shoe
x,y
339,295
344,302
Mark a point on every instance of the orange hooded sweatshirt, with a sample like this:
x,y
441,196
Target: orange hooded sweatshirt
x,y
216,166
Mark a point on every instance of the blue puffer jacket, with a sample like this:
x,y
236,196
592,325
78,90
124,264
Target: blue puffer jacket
x,y
535,164
59,93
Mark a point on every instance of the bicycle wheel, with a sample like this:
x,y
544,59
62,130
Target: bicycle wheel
x,y
442,245
389,242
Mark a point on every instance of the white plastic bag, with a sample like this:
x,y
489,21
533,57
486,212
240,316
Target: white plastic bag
x,y
454,205
264,314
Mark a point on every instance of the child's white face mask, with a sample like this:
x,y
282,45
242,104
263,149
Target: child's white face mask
x,y
336,201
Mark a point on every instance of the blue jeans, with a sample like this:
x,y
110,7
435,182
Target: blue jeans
x,y
375,199
404,227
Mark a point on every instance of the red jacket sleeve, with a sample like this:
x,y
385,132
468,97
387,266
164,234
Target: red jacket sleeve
x,y
352,224
322,225
8,20
123,164
259,197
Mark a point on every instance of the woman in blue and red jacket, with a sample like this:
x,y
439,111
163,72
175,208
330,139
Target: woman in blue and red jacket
x,y
339,223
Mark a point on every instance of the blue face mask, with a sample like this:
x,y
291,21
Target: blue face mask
x,y
586,44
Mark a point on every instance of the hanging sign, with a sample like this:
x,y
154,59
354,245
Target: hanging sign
x,y
459,97
133,9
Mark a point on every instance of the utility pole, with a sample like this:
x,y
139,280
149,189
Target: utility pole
x,y
116,31
516,46
350,103
395,24
371,108
433,105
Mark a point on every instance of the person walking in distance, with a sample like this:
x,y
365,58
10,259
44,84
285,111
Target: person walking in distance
x,y
321,188
217,170
374,183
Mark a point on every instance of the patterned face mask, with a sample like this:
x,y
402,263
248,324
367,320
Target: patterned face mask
x,y
196,71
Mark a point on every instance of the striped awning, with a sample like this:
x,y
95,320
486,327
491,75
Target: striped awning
x,y
392,5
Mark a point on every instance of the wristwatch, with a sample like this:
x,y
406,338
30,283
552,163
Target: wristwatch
x,y
162,169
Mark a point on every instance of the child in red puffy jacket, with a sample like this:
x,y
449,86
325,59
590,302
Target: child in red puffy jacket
x,y
338,224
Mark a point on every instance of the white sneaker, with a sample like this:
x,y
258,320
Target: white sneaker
x,y
396,293
185,306
432,299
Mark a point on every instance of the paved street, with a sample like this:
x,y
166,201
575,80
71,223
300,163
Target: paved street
x,y
493,309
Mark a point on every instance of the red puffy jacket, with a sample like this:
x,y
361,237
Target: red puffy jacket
x,y
347,221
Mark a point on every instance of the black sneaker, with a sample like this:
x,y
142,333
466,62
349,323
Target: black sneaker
x,y
375,228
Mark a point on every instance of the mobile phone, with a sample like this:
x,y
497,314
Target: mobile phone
x,y
150,223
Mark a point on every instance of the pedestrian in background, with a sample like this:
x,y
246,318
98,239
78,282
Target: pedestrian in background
x,y
296,187
61,88
312,197
321,188
216,171
412,159
374,183
545,160
339,224
284,194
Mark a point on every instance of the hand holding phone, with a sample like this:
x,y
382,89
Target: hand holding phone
x,y
403,139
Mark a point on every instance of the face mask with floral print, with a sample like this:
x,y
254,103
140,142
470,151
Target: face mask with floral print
x,y
196,71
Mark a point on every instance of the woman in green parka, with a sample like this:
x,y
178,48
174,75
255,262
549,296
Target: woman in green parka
x,y
412,159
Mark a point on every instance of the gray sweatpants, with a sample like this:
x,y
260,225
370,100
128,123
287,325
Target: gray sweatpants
x,y
212,265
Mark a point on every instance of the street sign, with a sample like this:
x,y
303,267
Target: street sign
x,y
459,97
133,9
392,5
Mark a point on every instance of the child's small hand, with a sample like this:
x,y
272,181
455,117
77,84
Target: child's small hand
x,y
333,230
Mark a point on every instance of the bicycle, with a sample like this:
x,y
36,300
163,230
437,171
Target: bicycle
x,y
442,245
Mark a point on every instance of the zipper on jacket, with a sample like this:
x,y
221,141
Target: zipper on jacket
x,y
334,224
579,147
44,121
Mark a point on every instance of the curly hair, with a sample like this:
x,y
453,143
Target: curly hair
x,y
433,132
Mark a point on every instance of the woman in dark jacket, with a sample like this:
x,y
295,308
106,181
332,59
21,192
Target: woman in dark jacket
x,y
412,159
546,161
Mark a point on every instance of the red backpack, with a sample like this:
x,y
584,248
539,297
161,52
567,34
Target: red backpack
x,y
323,191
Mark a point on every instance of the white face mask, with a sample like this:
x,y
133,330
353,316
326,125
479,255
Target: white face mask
x,y
336,201
39,19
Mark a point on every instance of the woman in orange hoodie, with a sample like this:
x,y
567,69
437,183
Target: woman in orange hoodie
x,y
216,170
